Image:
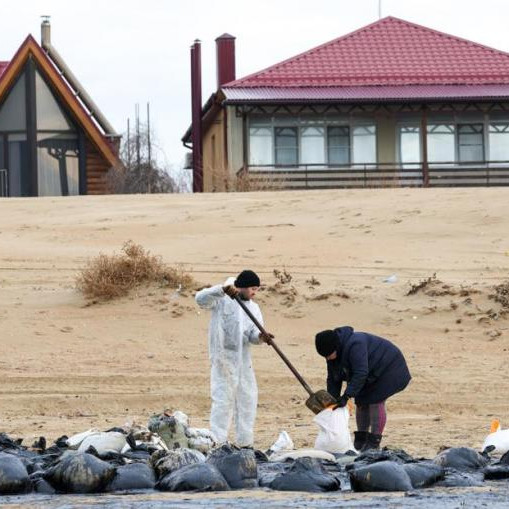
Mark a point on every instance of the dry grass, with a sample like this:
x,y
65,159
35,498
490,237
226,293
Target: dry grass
x,y
221,180
107,277
501,295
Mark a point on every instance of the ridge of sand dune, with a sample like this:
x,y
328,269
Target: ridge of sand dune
x,y
67,366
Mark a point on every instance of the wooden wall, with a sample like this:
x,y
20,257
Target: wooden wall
x,y
97,168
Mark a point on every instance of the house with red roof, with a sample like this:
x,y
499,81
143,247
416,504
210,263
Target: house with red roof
x,y
391,104
54,141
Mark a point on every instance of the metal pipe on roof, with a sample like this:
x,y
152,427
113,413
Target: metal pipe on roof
x,y
79,90
196,110
225,59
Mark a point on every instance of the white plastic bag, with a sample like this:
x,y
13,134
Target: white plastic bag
x,y
334,434
283,443
104,442
499,438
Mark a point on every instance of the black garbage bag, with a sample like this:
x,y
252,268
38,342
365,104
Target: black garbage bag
x,y
194,477
6,442
380,476
135,476
461,458
375,455
166,462
504,460
79,472
494,472
456,479
424,474
306,474
13,475
137,455
238,466
40,485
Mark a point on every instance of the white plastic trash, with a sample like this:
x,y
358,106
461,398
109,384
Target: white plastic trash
x,y
105,442
499,438
334,435
302,453
181,417
283,443
201,439
74,441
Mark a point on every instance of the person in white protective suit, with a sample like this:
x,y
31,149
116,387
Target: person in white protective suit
x,y
233,388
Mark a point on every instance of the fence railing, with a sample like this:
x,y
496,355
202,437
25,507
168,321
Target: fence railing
x,y
4,184
319,176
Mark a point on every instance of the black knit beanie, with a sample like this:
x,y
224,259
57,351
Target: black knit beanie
x,y
326,342
246,279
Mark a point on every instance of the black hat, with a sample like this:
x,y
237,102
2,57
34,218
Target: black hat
x,y
326,342
246,279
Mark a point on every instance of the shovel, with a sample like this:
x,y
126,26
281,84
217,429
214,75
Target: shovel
x,y
317,401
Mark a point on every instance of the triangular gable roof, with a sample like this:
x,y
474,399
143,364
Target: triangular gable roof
x,y
388,52
9,72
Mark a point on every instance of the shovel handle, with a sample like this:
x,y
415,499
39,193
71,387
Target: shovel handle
x,y
273,345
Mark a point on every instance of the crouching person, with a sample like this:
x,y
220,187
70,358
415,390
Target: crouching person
x,y
373,368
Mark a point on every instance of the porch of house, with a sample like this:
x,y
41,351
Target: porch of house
x,y
441,144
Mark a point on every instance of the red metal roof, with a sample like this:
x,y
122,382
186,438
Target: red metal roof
x,y
3,65
389,52
385,93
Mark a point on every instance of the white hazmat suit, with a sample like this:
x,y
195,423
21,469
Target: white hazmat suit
x,y
233,388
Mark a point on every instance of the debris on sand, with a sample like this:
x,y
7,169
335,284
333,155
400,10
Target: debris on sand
x,y
501,295
312,281
146,463
433,287
282,276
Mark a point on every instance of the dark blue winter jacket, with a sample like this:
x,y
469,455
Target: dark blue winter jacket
x,y
372,367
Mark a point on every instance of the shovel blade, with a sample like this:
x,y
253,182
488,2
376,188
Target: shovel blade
x,y
320,401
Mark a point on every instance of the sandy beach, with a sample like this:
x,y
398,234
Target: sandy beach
x,y
68,364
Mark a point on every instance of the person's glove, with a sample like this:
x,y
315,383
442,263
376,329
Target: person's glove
x,y
231,291
267,338
342,401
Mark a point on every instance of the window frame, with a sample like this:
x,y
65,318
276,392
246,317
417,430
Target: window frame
x,y
281,122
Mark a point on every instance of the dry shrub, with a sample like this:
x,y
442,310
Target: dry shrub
x,y
109,276
282,276
501,295
223,181
433,287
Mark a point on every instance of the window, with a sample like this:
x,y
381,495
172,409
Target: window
x,y
49,114
13,111
260,145
499,141
338,144
364,144
409,144
57,168
57,146
309,141
287,152
19,178
441,143
470,142
312,143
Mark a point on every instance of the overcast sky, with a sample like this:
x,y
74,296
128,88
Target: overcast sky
x,y
137,51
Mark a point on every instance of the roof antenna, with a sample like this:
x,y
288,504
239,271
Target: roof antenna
x,y
379,9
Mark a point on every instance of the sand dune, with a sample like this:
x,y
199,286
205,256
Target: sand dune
x,y
67,365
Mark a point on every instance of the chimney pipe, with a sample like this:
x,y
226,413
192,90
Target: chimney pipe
x,y
45,31
196,104
225,57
